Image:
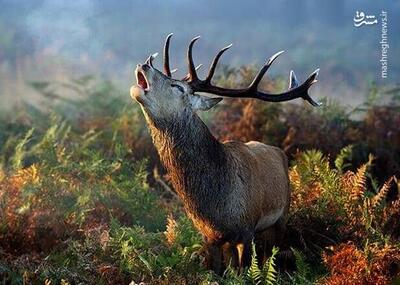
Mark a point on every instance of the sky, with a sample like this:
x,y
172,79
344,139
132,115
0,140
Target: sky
x,y
44,40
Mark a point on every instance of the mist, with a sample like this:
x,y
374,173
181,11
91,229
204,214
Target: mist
x,y
43,40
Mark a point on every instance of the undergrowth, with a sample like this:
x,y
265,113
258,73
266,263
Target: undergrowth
x,y
79,203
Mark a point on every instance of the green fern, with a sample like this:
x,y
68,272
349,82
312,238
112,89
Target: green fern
x,y
302,267
314,167
269,269
254,273
20,153
345,154
232,277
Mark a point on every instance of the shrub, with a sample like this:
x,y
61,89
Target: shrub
x,y
373,264
77,204
71,186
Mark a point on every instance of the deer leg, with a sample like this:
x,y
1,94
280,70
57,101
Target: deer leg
x,y
274,235
231,255
280,230
268,238
285,257
247,239
260,240
214,258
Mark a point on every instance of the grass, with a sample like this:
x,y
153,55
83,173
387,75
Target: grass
x,y
79,203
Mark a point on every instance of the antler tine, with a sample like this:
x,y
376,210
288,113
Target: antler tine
x,y
149,60
215,62
187,76
310,81
312,78
263,70
192,68
167,70
293,83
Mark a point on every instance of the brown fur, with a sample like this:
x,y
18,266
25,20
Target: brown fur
x,y
233,192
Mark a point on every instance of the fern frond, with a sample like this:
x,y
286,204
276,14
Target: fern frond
x,y
344,154
254,273
269,268
171,231
295,178
381,196
19,154
302,267
359,183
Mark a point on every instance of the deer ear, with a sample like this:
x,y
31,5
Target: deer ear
x,y
203,103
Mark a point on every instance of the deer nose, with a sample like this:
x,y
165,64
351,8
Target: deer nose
x,y
143,66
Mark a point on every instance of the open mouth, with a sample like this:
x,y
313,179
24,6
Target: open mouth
x,y
141,80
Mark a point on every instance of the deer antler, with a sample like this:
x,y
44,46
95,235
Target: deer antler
x,y
167,70
198,85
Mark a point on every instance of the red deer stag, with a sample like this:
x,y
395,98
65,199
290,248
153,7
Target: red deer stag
x,y
232,191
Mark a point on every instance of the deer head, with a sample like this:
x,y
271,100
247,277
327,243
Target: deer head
x,y
161,96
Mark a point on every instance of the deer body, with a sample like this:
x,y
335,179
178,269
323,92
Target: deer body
x,y
234,192
226,187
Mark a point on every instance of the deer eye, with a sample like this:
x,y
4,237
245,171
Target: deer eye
x,y
180,88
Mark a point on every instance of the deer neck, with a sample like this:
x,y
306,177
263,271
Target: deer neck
x,y
190,153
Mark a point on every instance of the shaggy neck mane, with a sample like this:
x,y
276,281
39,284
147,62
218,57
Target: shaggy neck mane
x,y
190,153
